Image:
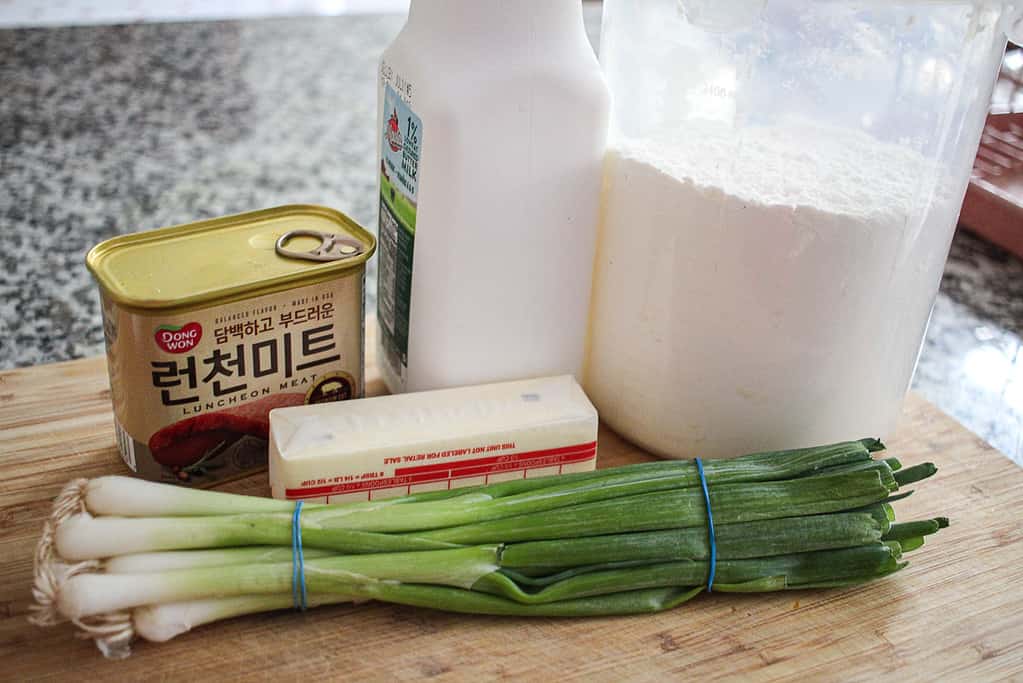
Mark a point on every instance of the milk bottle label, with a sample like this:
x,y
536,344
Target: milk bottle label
x,y
400,144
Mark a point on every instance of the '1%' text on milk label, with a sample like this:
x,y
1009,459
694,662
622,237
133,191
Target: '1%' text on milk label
x,y
400,145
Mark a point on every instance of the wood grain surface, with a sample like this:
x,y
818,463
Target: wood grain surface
x,y
955,614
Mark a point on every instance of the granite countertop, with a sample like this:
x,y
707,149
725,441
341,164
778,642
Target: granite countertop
x,y
115,129
108,130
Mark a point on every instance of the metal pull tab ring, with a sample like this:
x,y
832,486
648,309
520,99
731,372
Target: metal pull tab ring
x,y
332,247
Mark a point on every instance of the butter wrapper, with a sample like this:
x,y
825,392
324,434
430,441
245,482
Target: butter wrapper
x,y
388,446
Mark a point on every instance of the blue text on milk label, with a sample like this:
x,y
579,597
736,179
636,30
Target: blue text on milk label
x,y
400,145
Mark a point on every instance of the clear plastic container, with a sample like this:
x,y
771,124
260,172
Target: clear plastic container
x,y
781,187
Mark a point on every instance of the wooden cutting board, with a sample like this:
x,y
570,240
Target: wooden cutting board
x,y
955,614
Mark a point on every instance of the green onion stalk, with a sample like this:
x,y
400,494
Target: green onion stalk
x,y
124,558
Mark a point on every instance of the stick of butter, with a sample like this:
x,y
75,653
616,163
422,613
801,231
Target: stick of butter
x,y
388,446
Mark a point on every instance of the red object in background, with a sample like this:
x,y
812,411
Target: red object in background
x,y
993,207
994,201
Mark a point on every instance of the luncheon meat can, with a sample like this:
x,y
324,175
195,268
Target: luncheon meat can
x,y
210,325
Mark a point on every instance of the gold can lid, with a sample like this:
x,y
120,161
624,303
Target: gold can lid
x,y
223,258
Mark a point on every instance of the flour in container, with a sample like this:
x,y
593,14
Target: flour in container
x,y
751,293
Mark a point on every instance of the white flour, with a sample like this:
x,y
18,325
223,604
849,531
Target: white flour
x,y
752,296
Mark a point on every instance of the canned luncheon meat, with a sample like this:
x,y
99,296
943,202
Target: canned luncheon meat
x,y
211,325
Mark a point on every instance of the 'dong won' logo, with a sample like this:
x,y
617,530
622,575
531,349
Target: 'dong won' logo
x,y
178,339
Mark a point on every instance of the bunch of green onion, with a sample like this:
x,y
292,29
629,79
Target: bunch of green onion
x,y
123,557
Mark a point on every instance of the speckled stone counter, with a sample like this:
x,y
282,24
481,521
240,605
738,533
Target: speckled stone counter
x,y
971,365
108,130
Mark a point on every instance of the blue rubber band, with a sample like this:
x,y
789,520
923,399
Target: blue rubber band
x,y
710,527
298,594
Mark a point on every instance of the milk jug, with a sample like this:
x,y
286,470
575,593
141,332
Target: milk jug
x,y
493,117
